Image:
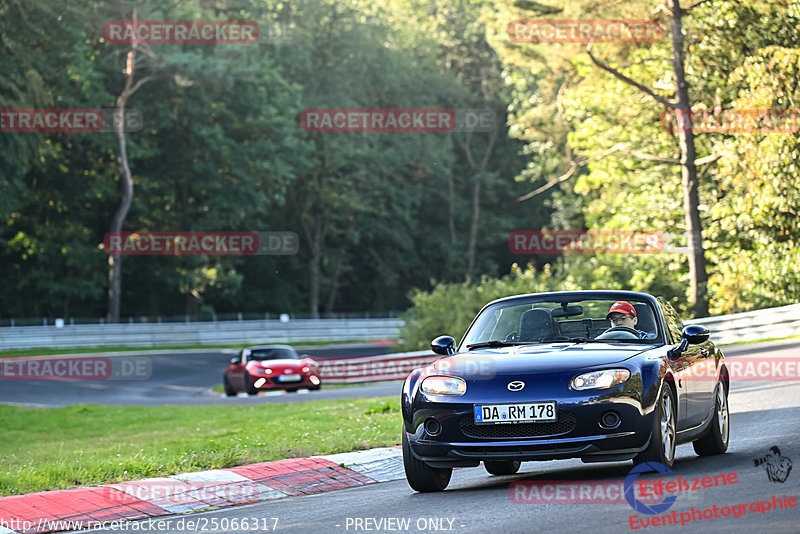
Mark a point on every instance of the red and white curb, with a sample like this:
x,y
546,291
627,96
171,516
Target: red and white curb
x,y
53,511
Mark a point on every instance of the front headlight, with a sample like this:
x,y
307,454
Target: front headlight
x,y
444,385
599,379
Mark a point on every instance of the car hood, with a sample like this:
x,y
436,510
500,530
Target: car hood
x,y
532,359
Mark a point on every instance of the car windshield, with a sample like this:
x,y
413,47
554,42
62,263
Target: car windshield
x,y
550,319
272,354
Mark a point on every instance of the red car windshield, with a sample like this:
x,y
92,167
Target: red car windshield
x,y
272,354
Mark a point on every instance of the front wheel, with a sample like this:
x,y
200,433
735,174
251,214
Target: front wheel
x,y
248,383
716,440
662,441
501,467
420,476
229,391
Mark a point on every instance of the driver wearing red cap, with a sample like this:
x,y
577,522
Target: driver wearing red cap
x,y
623,314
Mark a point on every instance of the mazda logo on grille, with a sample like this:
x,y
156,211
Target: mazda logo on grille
x,y
516,385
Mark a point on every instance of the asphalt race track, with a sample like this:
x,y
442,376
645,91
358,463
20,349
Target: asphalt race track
x,y
181,378
763,415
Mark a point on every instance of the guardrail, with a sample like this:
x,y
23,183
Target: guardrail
x,y
725,329
772,322
749,326
374,368
209,333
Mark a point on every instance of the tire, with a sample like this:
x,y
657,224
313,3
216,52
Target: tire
x,y
229,391
315,388
291,391
719,432
420,476
248,384
662,441
502,467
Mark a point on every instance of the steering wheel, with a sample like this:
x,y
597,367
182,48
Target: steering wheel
x,y
621,329
513,336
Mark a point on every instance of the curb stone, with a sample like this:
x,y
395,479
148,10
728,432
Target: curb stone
x,y
54,511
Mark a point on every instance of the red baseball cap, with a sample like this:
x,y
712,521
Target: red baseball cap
x,y
621,307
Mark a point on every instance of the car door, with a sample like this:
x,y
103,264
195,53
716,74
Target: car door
x,y
688,367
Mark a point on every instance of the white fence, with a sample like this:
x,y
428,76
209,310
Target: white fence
x,y
750,326
772,322
210,333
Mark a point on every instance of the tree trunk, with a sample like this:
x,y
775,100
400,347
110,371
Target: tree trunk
x,y
698,276
473,227
115,260
315,237
478,167
337,270
451,220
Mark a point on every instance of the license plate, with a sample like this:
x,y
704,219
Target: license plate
x,y
289,378
515,413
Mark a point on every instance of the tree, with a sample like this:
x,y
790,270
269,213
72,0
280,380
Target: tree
x,y
682,104
129,89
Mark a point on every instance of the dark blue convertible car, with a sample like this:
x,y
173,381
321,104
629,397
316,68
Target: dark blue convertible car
x,y
598,375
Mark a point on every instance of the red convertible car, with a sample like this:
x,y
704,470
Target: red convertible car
x,y
268,367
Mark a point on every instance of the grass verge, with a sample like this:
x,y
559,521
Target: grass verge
x,y
56,448
765,340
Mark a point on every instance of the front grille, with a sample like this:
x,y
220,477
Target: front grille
x,y
564,424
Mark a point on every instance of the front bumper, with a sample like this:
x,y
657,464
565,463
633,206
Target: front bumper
x,y
272,383
577,433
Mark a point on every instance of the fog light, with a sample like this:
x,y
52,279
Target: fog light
x,y
314,380
432,426
260,382
610,420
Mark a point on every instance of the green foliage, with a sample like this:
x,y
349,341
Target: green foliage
x,y
382,214
448,309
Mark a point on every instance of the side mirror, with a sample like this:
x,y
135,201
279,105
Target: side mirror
x,y
304,356
444,345
694,334
234,360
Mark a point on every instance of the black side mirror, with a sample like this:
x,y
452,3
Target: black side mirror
x,y
235,360
444,345
695,334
